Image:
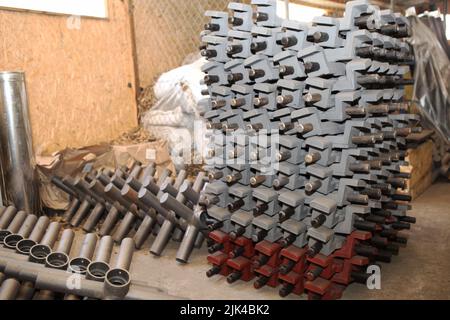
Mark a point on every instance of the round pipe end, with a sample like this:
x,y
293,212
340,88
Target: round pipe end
x,y
12,240
3,235
79,265
38,253
97,271
117,283
24,246
57,260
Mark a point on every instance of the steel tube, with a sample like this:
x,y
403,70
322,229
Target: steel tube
x,y
117,280
24,245
56,280
39,252
81,262
17,156
98,268
110,222
94,217
187,245
24,231
80,214
144,231
70,212
60,258
14,226
124,227
7,217
9,289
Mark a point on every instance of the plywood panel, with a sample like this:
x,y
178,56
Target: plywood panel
x,y
81,81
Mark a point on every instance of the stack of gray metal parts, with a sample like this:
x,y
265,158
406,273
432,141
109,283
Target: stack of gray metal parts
x,y
137,201
36,261
307,136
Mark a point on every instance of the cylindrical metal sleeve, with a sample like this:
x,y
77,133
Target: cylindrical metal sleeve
x,y
60,184
125,254
124,227
9,289
110,222
70,212
51,234
149,199
65,243
162,238
149,171
199,182
112,191
7,217
26,291
143,232
149,184
135,171
2,210
17,222
39,229
189,193
88,246
104,250
187,244
94,217
164,175
80,214
134,183
180,209
180,179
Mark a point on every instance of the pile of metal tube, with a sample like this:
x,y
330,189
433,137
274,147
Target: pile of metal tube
x,y
308,128
136,201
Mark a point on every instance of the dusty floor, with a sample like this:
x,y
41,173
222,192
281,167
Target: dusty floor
x,y
421,271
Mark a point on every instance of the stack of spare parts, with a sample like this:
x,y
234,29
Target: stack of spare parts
x,y
36,262
307,126
137,201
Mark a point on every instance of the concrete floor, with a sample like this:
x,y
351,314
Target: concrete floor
x,y
421,271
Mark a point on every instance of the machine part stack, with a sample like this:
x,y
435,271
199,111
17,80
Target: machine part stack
x,y
307,127
136,201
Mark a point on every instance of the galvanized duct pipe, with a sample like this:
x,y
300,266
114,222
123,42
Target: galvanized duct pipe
x,y
19,185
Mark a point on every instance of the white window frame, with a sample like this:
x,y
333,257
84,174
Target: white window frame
x,y
84,8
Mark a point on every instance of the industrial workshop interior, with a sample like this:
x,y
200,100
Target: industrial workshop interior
x,y
224,155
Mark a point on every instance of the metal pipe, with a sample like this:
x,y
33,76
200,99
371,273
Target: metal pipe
x,y
168,226
118,280
79,264
9,289
14,226
40,251
24,231
80,214
98,268
7,217
60,258
188,243
144,231
24,245
17,157
26,291
124,227
94,217
56,280
70,212
110,222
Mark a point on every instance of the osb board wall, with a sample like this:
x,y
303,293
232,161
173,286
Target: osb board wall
x,y
81,82
420,167
167,31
